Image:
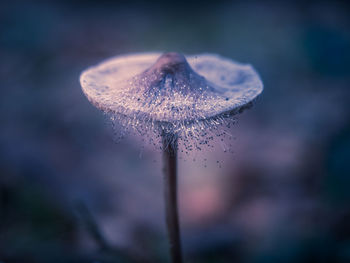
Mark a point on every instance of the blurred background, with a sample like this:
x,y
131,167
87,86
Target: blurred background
x,y
68,193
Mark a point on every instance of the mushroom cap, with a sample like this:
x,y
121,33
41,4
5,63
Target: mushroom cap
x,y
170,88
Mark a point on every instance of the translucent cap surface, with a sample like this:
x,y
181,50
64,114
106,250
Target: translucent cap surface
x,y
169,87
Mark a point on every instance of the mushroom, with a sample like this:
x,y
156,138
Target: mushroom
x,y
175,96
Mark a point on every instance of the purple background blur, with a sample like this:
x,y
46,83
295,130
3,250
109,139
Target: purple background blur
x,y
68,193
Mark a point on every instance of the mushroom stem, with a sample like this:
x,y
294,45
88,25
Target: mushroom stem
x,y
170,196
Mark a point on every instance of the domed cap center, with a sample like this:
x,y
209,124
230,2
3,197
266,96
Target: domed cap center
x,y
171,72
170,63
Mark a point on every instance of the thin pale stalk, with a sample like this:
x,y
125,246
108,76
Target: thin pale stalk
x,y
170,196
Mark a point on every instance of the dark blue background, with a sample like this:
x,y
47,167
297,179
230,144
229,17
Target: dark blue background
x,y
283,197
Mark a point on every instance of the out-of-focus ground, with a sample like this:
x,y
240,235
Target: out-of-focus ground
x,y
68,193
